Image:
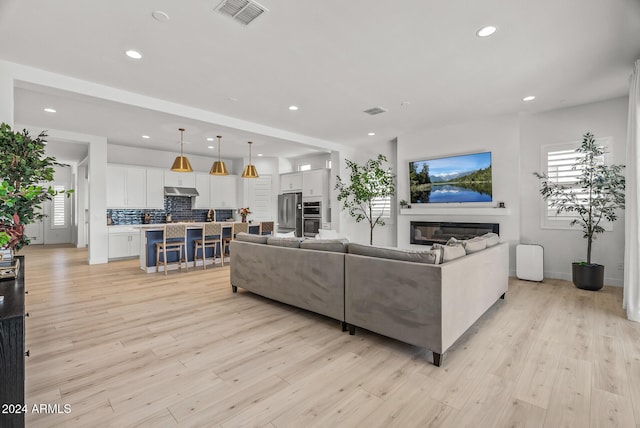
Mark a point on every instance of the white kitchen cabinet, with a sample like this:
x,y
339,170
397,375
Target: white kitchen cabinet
x,y
123,242
155,188
126,187
203,186
179,179
291,182
223,191
315,183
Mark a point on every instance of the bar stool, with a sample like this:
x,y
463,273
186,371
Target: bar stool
x,y
211,238
266,228
174,238
235,229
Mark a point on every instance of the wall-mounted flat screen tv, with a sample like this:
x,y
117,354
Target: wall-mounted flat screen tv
x,y
454,179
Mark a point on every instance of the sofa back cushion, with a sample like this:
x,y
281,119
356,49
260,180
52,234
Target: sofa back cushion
x,y
249,237
449,252
429,256
474,245
284,242
334,245
492,239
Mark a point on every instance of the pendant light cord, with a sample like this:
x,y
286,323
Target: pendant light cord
x,y
181,134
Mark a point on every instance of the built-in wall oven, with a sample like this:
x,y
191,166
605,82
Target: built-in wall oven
x,y
311,218
312,209
311,226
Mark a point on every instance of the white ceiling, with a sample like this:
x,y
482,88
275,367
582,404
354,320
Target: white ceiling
x,y
332,58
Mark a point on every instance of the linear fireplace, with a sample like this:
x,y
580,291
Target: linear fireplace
x,y
439,232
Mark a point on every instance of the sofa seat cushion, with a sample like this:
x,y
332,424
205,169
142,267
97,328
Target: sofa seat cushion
x,y
249,237
284,242
334,245
429,256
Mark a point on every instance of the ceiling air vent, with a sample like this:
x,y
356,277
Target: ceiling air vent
x,y
376,110
243,11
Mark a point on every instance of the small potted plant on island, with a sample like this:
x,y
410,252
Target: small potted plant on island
x,y
597,195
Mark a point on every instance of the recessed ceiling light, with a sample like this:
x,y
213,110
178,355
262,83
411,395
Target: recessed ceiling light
x,y
50,110
486,31
529,98
259,154
293,108
146,137
133,54
160,16
209,147
371,134
210,139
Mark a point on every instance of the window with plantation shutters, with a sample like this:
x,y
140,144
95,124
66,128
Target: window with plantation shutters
x,y
381,206
558,161
58,206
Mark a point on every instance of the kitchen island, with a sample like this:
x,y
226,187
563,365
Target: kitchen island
x,y
150,234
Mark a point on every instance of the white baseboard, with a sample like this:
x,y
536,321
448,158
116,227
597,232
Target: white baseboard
x,y
615,282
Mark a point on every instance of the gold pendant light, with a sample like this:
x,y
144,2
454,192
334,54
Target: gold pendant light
x,y
250,171
218,167
181,164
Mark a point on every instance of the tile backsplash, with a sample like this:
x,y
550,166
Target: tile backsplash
x,y
178,206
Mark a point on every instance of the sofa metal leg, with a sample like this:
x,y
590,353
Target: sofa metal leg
x,y
234,288
352,329
502,297
344,326
437,358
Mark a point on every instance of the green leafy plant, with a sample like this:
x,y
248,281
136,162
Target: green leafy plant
x,y
368,183
597,195
23,167
403,203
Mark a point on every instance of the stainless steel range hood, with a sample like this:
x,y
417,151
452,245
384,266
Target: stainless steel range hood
x,y
181,191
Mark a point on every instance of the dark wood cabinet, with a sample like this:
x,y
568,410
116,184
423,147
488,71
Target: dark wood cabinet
x,y
12,352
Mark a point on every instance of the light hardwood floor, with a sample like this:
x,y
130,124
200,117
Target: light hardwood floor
x,y
126,348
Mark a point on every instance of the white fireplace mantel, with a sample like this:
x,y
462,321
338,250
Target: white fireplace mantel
x,y
463,211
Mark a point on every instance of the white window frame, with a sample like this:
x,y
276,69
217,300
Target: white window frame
x,y
562,222
59,200
304,167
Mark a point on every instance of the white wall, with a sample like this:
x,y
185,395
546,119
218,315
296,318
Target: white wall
x,y
266,166
603,119
359,232
316,161
160,158
500,136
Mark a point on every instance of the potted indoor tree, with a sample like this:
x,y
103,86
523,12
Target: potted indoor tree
x,y
597,195
23,167
369,183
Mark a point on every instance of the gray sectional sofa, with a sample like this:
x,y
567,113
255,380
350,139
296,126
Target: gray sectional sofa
x,y
401,294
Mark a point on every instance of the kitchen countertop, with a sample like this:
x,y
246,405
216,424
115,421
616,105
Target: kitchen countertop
x,y
190,225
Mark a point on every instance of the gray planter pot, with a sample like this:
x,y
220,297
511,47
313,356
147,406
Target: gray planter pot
x,y
588,276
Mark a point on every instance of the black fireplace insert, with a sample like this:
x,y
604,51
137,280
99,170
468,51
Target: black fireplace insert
x,y
438,232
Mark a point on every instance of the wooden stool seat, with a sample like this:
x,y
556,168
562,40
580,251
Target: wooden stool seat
x,y
211,238
174,239
266,228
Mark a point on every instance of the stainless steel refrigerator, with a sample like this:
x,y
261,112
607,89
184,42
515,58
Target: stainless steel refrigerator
x,y
290,213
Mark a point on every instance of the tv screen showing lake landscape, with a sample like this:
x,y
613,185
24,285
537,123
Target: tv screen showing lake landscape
x,y
455,179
